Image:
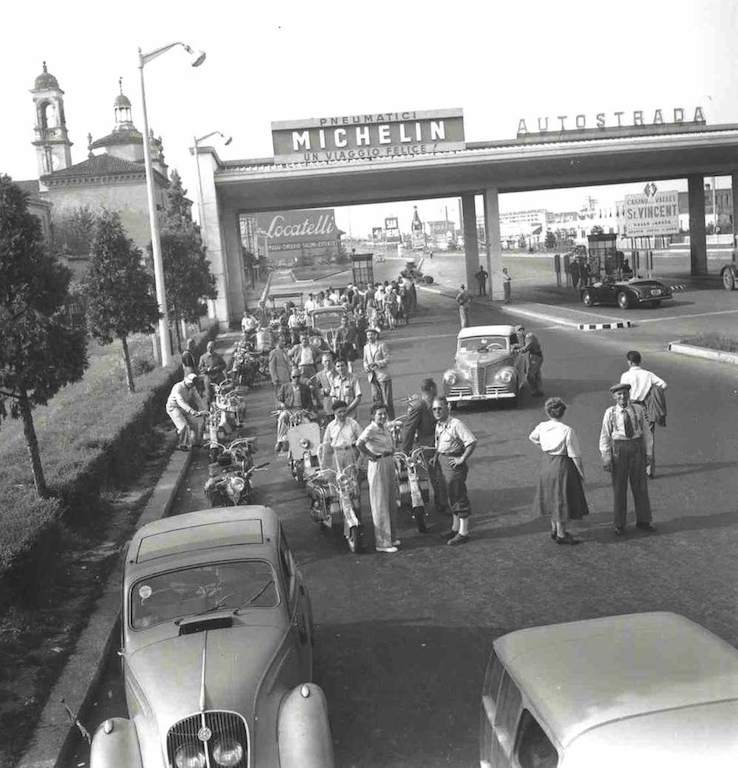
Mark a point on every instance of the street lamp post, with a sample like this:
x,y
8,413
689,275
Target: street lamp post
x,y
200,203
161,295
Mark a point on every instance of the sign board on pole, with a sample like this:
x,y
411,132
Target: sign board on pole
x,y
651,214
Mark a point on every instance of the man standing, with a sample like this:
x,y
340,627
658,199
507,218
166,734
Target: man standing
x,y
420,424
280,364
455,443
184,408
310,304
346,340
625,444
376,365
211,367
482,276
506,285
464,300
534,363
189,364
323,383
346,388
305,356
646,389
574,272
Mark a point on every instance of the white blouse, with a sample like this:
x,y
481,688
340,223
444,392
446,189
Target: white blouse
x,y
556,439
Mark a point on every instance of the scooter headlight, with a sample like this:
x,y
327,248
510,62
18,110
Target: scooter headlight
x,y
189,756
305,443
238,484
227,752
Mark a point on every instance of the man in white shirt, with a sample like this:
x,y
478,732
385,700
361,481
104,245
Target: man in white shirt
x,y
310,304
346,388
376,365
184,408
625,445
646,389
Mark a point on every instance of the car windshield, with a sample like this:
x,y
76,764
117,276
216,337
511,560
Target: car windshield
x,y
201,589
482,343
324,320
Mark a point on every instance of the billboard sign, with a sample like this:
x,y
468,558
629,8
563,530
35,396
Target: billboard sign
x,y
377,234
300,226
392,230
368,136
651,213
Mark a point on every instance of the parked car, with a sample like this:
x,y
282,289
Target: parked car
x,y
217,637
487,365
637,292
641,690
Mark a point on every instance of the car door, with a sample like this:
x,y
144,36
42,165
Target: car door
x,y
299,607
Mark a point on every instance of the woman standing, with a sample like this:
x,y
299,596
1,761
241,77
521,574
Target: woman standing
x,y
560,493
375,442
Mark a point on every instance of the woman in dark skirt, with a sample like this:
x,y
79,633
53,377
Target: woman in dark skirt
x,y
560,493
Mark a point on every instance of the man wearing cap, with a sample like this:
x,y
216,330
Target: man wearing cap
x,y
455,443
625,443
184,408
294,396
646,389
376,365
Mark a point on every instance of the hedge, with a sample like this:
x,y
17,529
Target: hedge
x,y
90,439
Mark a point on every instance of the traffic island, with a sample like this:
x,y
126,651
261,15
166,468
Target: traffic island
x,y
704,352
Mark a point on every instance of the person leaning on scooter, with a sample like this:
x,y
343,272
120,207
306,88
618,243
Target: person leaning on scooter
x,y
293,396
184,408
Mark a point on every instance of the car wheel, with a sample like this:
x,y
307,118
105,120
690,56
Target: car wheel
x,y
728,279
623,300
587,299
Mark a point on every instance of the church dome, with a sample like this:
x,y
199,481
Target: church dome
x,y
121,100
45,80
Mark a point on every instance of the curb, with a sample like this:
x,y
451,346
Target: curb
x,y
703,352
55,735
539,316
605,326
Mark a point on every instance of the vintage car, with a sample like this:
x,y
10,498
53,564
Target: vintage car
x,y
327,320
644,689
637,292
487,365
217,637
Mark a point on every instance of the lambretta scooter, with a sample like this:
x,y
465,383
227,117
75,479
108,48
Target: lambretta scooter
x,y
229,482
334,499
303,439
411,473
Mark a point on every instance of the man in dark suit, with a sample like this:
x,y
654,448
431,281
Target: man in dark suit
x,y
292,396
420,424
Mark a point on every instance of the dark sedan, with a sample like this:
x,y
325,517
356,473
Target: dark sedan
x,y
626,293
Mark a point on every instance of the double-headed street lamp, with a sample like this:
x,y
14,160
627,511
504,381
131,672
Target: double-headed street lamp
x,y
200,204
161,295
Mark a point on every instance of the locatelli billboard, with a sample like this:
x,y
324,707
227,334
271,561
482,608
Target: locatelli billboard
x,y
365,136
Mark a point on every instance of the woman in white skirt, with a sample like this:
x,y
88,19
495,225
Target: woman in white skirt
x,y
560,493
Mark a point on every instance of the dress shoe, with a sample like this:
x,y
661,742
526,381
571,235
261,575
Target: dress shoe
x,y
388,550
567,538
396,543
620,530
447,535
646,527
459,538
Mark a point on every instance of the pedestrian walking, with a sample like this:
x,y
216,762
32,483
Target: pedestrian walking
x,y
506,285
534,362
185,408
376,365
482,276
464,300
625,444
648,390
454,443
560,492
375,442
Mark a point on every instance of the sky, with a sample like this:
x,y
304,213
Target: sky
x,y
499,61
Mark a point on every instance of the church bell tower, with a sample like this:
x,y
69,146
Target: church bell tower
x,y
53,148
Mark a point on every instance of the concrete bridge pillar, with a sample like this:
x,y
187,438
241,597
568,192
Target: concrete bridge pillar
x,y
494,244
212,232
471,244
697,237
734,188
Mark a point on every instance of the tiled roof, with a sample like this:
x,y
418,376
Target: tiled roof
x,y
101,165
118,137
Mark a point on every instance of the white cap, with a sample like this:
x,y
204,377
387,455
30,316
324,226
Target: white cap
x,y
190,378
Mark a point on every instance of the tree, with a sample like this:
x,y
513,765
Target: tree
x,y
187,276
39,351
118,290
73,231
550,241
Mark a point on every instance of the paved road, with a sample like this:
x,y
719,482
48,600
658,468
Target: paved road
x,y
402,639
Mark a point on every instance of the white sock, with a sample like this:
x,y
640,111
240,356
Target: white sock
x,y
464,526
455,523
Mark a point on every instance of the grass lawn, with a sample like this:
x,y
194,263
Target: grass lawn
x,y
714,340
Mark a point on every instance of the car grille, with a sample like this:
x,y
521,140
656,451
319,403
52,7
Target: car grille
x,y
220,724
497,391
479,378
460,392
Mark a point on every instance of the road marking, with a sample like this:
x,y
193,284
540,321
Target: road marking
x,y
556,318
684,317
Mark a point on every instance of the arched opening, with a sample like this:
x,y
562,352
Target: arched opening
x,y
47,115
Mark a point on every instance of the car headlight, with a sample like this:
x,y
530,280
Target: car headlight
x,y
227,752
449,378
189,756
505,376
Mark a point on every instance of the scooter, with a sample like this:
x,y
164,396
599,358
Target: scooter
x,y
228,483
413,494
334,497
303,439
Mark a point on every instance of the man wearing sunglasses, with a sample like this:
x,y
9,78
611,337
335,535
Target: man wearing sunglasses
x,y
293,396
455,443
